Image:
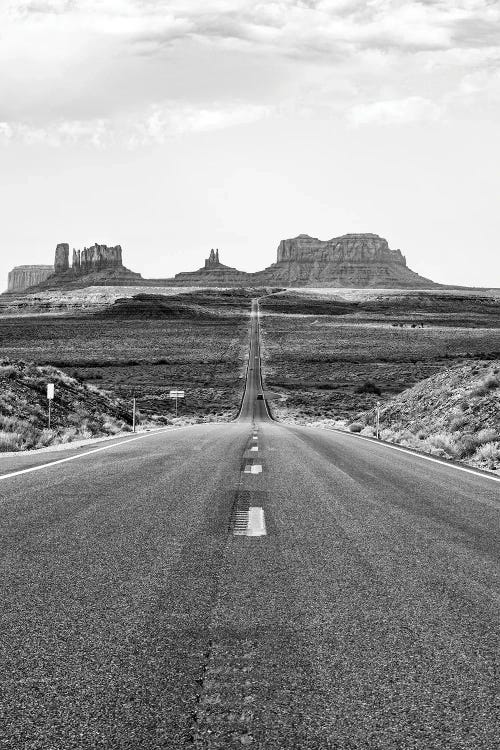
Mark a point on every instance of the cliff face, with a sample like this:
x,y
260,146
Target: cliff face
x,y
22,277
61,260
96,258
353,260
98,265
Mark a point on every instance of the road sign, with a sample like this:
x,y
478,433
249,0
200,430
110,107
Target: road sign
x,y
50,391
176,395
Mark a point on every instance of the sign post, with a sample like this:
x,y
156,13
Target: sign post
x,y
378,420
177,395
133,413
50,397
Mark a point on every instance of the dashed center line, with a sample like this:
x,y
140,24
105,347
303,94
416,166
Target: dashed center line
x,y
250,522
253,469
254,448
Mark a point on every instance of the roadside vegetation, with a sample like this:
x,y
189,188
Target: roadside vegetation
x,y
432,362
455,414
79,411
146,346
323,365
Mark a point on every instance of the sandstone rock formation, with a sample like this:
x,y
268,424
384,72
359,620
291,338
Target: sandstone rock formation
x,y
214,273
96,258
61,261
98,265
213,259
22,277
353,260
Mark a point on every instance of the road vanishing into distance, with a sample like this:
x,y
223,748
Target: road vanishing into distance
x,y
247,584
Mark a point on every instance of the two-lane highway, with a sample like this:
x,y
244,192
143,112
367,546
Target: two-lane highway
x,y
249,584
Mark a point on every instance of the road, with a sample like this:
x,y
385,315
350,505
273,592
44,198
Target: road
x,y
181,589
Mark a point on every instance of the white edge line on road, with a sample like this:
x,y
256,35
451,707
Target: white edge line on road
x,y
412,453
88,453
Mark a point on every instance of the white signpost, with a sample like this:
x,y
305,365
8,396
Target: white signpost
x,y
177,395
50,397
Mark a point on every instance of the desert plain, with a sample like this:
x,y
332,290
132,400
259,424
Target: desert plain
x,y
329,356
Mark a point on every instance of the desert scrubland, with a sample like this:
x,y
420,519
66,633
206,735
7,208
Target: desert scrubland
x,y
145,347
329,357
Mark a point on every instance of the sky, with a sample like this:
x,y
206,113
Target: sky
x,y
173,127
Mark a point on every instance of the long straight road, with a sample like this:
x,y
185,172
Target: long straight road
x,y
247,584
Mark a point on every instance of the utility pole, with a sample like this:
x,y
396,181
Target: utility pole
x,y
378,420
133,412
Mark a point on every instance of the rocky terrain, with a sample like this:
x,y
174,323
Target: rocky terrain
x,y
454,414
330,357
213,274
93,266
144,345
353,260
79,411
23,277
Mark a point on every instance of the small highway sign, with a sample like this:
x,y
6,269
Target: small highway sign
x,y
176,395
50,396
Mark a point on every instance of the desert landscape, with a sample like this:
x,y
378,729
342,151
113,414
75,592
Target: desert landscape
x,y
330,355
249,374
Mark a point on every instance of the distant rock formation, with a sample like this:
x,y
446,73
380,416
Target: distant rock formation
x,y
22,277
98,265
61,261
353,260
213,259
96,258
214,274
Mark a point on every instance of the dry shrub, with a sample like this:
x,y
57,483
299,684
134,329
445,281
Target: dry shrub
x,y
457,422
442,444
355,427
9,372
487,384
10,441
487,435
489,453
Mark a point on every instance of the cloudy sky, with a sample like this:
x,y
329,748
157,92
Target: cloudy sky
x,y
173,127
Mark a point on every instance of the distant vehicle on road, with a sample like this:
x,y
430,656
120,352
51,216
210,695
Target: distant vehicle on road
x,y
260,397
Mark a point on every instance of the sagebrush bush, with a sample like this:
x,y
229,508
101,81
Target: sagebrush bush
x,y
487,435
355,427
457,422
489,453
368,387
8,372
10,441
443,444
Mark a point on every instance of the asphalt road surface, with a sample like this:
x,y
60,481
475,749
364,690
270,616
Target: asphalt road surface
x,y
247,584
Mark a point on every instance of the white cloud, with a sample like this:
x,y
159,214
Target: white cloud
x,y
395,112
102,65
160,123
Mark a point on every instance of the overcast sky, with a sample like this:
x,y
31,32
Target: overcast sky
x,y
173,127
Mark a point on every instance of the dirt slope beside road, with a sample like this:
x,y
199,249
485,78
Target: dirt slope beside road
x,y
454,414
79,411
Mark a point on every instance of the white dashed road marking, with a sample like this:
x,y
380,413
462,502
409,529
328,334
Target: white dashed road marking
x,y
250,522
253,469
254,448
